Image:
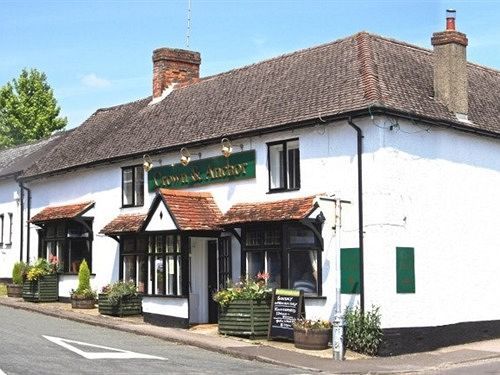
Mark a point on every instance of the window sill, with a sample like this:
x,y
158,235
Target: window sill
x,y
315,297
274,191
72,274
162,296
132,206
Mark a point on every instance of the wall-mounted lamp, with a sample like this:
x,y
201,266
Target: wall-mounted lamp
x,y
227,148
185,156
148,163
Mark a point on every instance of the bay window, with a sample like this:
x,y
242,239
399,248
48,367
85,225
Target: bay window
x,y
153,263
290,253
69,241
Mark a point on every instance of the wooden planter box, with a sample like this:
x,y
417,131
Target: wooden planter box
x,y
312,338
14,290
127,306
45,289
82,303
247,318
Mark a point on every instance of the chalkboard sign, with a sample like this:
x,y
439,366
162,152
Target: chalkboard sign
x,y
286,307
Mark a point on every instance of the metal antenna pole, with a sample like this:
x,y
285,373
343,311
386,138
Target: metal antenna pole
x,y
188,32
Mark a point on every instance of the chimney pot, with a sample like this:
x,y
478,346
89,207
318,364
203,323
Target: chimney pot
x,y
450,19
450,67
174,67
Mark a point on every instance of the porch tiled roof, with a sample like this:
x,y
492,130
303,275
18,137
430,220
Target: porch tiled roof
x,y
288,209
68,211
192,210
127,223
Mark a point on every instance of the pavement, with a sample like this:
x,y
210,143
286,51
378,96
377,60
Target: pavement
x,y
279,353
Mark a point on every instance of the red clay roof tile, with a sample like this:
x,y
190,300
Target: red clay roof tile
x,y
288,209
68,211
127,223
192,210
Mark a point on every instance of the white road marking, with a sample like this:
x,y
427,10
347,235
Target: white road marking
x,y
2,373
111,353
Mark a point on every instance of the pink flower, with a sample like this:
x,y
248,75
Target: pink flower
x,y
263,276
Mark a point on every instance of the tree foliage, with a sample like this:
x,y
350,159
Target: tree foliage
x,y
28,109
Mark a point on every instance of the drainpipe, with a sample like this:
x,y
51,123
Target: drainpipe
x,y
360,212
21,215
23,188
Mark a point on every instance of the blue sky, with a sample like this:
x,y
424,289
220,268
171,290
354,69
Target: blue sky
x,y
97,53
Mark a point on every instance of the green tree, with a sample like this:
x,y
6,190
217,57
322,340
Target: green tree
x,y
28,109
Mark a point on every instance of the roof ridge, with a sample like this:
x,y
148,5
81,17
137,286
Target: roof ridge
x,y
103,109
279,57
194,194
367,68
34,142
276,201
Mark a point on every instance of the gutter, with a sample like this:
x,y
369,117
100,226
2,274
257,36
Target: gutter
x,y
376,109
359,148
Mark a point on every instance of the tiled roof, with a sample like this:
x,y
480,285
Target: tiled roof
x,y
15,159
288,209
350,75
192,210
127,223
68,211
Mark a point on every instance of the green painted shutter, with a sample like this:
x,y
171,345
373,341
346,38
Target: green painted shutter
x,y
405,270
350,271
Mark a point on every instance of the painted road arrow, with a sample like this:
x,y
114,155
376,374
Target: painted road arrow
x,y
110,353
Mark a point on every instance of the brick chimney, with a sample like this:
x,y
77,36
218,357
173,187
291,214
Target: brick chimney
x,y
450,67
174,68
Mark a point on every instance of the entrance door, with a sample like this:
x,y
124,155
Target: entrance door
x,y
212,281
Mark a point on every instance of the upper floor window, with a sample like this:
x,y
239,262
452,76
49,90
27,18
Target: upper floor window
x,y
133,186
284,165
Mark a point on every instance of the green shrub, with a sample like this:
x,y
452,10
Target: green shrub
x,y
17,273
119,290
362,331
84,291
83,277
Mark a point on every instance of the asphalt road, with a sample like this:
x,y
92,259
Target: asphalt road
x,y
31,343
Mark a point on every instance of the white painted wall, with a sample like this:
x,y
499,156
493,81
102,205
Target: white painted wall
x,y
9,253
167,306
432,190
67,283
436,191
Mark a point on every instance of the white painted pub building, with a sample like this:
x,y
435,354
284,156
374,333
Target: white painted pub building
x,y
407,137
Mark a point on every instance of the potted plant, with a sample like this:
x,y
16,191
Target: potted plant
x,y
245,307
16,288
83,297
120,299
312,334
41,281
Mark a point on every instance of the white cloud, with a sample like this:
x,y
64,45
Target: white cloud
x,y
92,80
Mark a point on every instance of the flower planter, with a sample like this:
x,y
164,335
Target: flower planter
x,y
312,338
247,318
82,303
127,306
45,289
14,290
